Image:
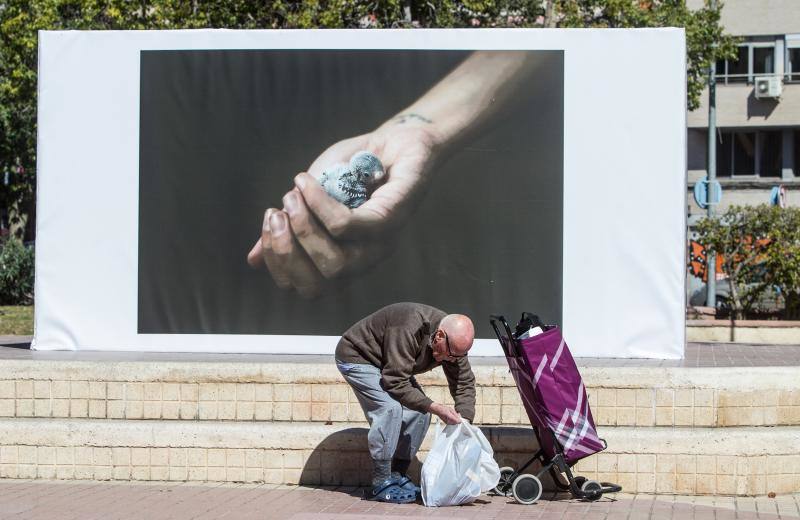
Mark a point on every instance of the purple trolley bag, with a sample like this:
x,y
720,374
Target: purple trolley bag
x,y
555,400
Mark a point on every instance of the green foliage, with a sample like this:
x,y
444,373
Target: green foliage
x,y
782,261
760,247
705,41
16,273
737,236
21,19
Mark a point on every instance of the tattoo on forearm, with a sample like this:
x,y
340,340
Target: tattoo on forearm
x,y
404,118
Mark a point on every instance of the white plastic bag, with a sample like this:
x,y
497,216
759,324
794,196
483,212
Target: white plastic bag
x,y
459,467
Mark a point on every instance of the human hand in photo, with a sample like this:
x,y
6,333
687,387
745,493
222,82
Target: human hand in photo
x,y
316,238
445,413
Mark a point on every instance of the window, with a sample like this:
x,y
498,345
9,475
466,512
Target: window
x,y
796,153
762,60
735,154
770,156
749,153
734,71
753,58
793,63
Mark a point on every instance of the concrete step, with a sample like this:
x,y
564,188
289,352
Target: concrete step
x,y
765,332
309,388
728,461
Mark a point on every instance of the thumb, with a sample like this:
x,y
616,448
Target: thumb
x,y
333,215
254,257
368,220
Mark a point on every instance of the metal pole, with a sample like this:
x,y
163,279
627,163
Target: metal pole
x,y
711,261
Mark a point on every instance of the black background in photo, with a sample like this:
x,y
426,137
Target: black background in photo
x,y
222,134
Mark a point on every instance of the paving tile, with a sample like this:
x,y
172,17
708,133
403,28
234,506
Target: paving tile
x,y
88,500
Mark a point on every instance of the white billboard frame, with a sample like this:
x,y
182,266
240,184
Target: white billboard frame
x,y
624,184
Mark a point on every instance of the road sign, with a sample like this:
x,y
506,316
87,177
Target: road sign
x,y
707,192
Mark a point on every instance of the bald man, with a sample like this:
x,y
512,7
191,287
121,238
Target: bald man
x,y
378,357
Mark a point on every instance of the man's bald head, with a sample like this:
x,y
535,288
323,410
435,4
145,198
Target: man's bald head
x,y
460,332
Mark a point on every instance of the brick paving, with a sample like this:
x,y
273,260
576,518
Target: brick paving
x,y
85,500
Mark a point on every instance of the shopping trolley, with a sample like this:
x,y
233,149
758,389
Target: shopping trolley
x,y
555,400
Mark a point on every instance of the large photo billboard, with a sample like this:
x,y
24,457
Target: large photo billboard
x,y
462,208
260,191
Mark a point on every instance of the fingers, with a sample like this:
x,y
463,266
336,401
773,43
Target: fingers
x,y
453,418
446,414
254,257
333,215
287,262
275,265
302,247
371,220
326,254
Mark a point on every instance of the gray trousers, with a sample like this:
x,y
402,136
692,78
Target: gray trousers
x,y
394,430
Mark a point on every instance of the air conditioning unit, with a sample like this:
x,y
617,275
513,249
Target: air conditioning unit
x,y
768,87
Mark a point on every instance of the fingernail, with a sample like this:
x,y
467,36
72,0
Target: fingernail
x,y
300,180
267,216
277,222
290,203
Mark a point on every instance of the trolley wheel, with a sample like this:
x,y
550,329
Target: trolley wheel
x,y
527,489
503,487
592,490
579,481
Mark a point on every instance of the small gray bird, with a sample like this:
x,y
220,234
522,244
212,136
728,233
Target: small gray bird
x,y
352,184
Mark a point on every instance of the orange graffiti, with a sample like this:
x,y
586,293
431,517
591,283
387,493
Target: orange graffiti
x,y
697,257
697,261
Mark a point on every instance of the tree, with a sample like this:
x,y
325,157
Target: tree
x,y
705,41
741,237
782,261
21,19
760,248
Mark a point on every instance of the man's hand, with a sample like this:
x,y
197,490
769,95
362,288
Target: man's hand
x,y
315,238
445,413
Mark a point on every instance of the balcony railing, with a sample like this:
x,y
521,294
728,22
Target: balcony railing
x,y
725,79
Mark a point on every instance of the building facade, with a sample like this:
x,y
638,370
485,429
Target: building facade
x,y
758,133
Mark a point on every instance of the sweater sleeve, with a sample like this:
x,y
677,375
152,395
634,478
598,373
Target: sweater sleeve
x,y
461,381
398,366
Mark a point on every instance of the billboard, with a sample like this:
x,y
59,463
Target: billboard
x,y
260,191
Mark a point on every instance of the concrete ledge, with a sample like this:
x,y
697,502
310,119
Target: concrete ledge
x,y
314,391
742,461
771,332
744,441
490,372
768,324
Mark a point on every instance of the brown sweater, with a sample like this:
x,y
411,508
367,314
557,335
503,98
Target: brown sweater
x,y
397,339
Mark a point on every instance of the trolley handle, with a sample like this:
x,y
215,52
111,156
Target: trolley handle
x,y
509,338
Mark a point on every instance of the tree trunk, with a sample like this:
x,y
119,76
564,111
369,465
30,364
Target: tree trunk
x,y
549,14
792,309
407,12
736,305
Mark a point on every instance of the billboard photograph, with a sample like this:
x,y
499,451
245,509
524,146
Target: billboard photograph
x,y
294,192
260,191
